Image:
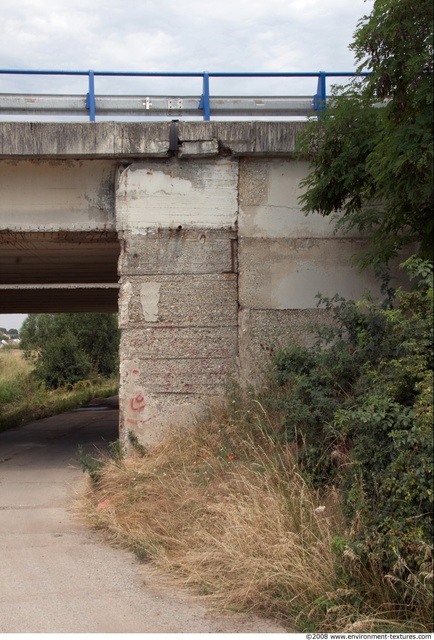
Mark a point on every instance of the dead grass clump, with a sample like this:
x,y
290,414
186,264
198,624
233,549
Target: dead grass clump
x,y
226,509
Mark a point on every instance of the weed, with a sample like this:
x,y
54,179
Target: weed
x,y
93,463
134,441
89,463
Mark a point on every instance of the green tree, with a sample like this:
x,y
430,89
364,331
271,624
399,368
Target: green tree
x,y
371,152
68,347
61,361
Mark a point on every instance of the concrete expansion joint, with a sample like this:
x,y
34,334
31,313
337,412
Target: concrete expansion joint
x,y
198,148
201,148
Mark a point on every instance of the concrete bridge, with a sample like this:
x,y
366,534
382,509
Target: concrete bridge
x,y
191,230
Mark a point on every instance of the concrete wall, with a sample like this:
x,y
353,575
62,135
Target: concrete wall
x,y
285,259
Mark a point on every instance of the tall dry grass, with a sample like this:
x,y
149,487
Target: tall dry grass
x,y
14,370
224,507
12,364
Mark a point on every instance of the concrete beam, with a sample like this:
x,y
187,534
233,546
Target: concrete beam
x,y
48,195
162,194
256,138
59,300
83,139
145,139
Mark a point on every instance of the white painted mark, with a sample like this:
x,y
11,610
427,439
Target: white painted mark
x,y
150,298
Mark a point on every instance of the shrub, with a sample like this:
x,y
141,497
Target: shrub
x,y
62,362
359,407
67,347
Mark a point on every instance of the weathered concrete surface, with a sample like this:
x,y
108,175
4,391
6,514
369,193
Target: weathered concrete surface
x,y
52,195
288,274
188,300
217,265
58,577
285,259
83,139
178,345
245,138
144,139
269,191
176,251
178,289
171,194
263,332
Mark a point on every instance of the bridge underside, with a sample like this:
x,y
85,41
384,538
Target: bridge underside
x,y
54,272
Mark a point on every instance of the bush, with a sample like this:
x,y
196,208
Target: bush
x,y
62,362
358,405
68,347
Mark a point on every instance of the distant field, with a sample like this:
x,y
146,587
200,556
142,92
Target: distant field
x,y
12,365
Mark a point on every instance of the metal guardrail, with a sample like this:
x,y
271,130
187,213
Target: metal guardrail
x,y
203,106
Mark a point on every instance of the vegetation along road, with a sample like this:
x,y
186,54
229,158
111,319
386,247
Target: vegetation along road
x,y
58,577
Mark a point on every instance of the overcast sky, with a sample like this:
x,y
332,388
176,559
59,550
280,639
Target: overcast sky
x,y
169,35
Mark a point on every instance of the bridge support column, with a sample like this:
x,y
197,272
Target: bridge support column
x,y
178,306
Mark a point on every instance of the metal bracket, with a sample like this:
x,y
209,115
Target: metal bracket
x,y
204,98
175,103
90,96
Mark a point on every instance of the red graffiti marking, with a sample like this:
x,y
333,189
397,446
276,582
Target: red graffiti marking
x,y
138,402
135,371
140,422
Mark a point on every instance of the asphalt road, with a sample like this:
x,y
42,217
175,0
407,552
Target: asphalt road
x,y
57,576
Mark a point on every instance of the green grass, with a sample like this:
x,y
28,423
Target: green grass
x,y
23,398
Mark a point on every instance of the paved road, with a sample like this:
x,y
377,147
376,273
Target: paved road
x,y
56,576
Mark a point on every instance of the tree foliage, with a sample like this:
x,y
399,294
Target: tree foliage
x,y
371,152
69,347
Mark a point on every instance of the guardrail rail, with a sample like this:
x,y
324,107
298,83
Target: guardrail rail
x,y
202,106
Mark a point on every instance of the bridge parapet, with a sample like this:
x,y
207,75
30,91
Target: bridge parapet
x,y
146,139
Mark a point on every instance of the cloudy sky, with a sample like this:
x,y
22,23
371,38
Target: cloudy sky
x,y
169,35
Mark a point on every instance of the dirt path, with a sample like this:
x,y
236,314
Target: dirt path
x,y
56,576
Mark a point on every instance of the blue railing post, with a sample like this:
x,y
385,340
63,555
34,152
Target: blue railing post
x,y
204,99
318,103
319,99
90,97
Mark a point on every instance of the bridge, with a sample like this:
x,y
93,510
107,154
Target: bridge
x,y
192,231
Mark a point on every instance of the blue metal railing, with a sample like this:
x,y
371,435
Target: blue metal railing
x,y
319,99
